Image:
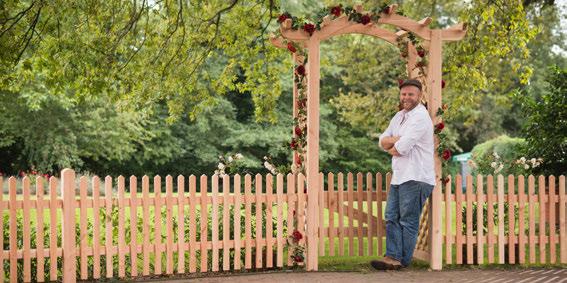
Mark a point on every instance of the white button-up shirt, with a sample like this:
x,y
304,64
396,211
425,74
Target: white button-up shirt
x,y
415,146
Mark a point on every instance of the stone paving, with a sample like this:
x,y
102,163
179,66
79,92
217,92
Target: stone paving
x,y
531,275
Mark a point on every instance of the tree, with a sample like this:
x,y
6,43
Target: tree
x,y
546,124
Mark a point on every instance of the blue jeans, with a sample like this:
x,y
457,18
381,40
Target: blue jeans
x,y
403,209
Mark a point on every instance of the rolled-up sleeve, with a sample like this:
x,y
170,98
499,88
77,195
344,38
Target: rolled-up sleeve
x,y
415,131
387,133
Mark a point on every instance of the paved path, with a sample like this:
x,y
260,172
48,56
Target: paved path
x,y
421,276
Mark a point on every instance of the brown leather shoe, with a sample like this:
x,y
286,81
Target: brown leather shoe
x,y
387,263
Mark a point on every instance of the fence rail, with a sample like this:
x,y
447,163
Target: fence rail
x,y
82,228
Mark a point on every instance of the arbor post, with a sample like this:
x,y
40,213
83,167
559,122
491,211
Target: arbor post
x,y
313,185
434,81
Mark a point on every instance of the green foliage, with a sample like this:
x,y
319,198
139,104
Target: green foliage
x,y
499,156
546,126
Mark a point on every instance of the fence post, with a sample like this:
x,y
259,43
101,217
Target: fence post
x,y
435,232
68,225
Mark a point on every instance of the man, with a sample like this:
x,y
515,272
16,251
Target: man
x,y
409,139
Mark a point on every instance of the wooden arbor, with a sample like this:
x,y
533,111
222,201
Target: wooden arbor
x,y
334,26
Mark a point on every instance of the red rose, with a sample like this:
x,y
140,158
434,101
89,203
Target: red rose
x,y
293,144
283,17
337,10
446,154
34,172
309,28
298,131
300,70
442,83
439,127
446,180
46,176
298,258
386,10
22,173
400,82
421,52
296,235
365,19
291,48
297,159
294,213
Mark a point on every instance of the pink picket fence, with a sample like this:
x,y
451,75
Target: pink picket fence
x,y
87,228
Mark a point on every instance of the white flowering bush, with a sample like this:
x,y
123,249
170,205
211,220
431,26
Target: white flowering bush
x,y
503,155
231,164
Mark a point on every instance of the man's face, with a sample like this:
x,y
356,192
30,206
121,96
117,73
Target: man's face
x,y
410,96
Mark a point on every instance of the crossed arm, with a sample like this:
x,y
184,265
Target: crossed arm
x,y
387,144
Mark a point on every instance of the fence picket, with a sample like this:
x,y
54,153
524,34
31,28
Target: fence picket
x,y
542,221
350,214
552,248
121,240
369,213
331,203
96,227
269,222
341,209
226,223
321,206
14,231
181,224
215,223
237,217
511,221
448,223
521,220
133,226
562,219
146,225
490,217
469,218
169,224
40,233
379,223
204,223
248,220
26,229
301,194
291,210
359,207
259,224
157,225
459,219
193,202
83,226
501,219
479,219
53,228
108,227
531,200
280,215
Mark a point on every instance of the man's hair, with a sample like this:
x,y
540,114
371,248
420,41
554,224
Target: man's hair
x,y
412,82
